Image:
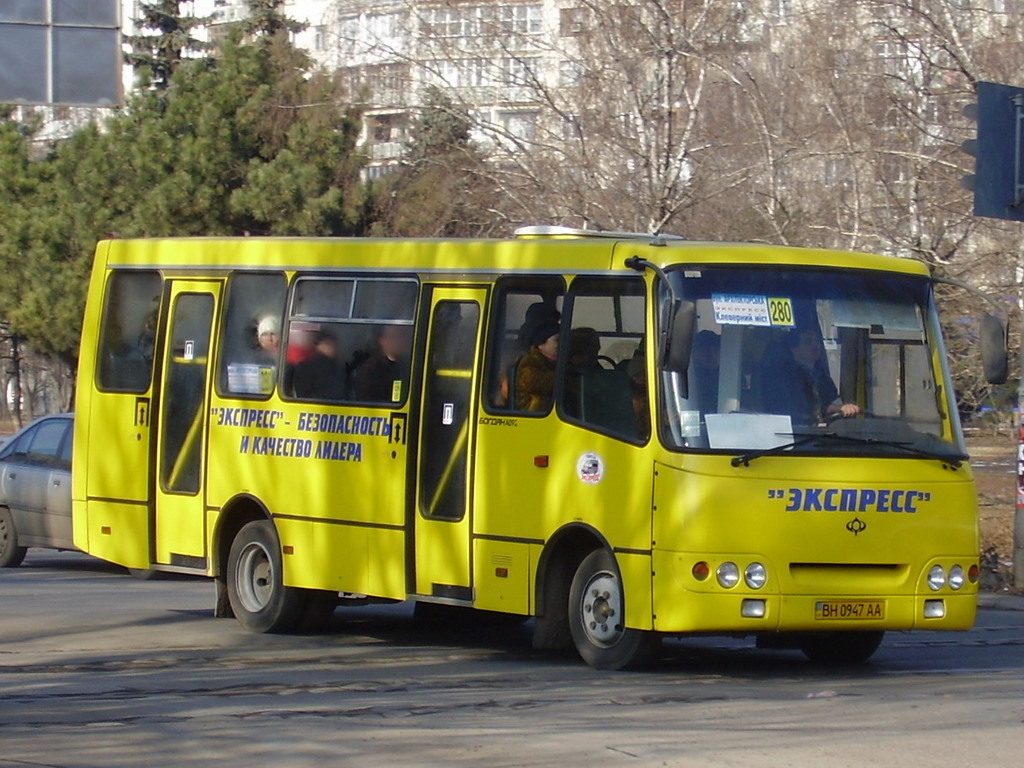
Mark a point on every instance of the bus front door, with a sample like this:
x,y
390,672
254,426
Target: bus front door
x,y
181,426
447,434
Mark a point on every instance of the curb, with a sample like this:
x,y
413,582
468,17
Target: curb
x,y
1000,601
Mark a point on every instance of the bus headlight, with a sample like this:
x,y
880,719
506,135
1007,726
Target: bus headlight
x,y
956,577
755,575
936,578
728,575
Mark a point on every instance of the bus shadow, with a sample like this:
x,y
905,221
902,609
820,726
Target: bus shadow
x,y
508,639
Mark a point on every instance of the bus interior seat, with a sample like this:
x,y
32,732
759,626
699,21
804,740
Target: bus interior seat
x,y
510,378
606,401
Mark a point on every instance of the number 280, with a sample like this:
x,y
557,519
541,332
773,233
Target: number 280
x,y
781,311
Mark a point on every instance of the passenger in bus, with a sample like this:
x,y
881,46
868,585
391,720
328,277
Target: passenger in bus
x,y
636,369
584,351
147,337
799,384
536,313
535,373
381,376
704,369
320,376
268,336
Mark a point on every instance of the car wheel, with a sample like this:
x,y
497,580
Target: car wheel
x,y
11,554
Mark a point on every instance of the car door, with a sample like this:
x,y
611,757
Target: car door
x,y
37,483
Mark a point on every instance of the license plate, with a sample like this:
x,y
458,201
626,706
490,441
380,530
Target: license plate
x,y
847,610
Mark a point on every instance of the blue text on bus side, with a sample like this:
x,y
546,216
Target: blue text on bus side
x,y
246,417
850,499
376,426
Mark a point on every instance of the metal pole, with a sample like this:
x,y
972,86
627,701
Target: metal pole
x,y
1018,516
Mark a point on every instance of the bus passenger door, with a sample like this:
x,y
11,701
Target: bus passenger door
x,y
447,435
181,426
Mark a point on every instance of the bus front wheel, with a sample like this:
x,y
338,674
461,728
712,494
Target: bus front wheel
x,y
596,615
259,599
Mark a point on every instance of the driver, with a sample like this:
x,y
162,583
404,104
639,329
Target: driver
x,y
800,384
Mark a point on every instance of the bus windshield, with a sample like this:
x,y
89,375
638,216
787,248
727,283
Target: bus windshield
x,y
809,361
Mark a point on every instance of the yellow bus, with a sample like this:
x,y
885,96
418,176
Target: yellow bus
x,y
619,436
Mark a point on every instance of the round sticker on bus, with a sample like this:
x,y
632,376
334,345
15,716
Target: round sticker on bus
x,y
590,468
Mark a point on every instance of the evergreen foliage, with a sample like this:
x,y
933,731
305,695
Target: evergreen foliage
x,y
253,141
156,56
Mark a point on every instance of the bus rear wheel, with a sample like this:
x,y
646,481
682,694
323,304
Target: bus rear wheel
x,y
596,615
259,599
841,647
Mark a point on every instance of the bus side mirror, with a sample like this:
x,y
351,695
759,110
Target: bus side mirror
x,y
993,349
680,340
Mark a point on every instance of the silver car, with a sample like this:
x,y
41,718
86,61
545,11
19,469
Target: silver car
x,y
35,489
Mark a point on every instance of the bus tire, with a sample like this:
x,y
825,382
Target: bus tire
x,y
841,647
596,610
258,597
11,555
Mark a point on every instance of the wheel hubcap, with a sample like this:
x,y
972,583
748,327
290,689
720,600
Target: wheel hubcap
x,y
601,607
254,577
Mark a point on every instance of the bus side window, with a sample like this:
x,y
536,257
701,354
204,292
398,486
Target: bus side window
x,y
251,339
130,315
350,339
522,304
604,371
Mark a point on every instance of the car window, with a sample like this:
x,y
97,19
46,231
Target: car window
x,y
16,447
44,446
64,460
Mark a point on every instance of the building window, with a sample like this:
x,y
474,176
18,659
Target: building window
x,y
569,73
571,22
519,125
518,71
779,11
521,19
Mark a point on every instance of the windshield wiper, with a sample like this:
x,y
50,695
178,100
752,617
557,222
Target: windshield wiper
x,y
748,457
955,461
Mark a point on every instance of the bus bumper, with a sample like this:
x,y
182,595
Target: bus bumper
x,y
685,604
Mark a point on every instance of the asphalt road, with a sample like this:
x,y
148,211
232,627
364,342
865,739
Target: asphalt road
x,y
100,670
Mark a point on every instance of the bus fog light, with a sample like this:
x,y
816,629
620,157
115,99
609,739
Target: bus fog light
x,y
956,577
936,577
728,575
974,573
752,609
701,570
934,609
755,575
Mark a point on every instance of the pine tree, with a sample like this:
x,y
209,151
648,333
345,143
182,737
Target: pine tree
x,y
156,56
266,19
